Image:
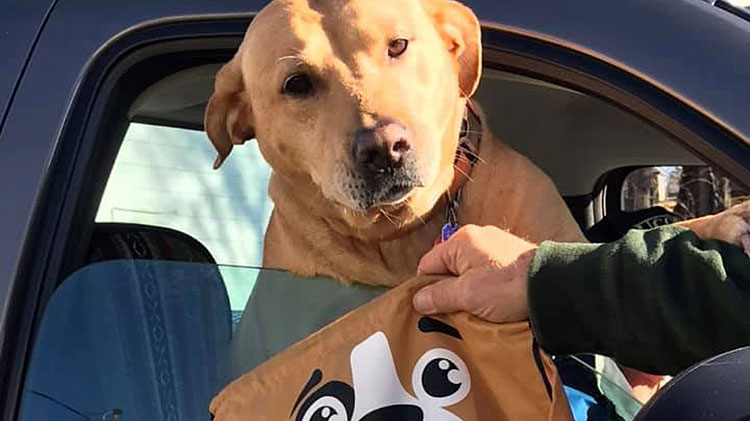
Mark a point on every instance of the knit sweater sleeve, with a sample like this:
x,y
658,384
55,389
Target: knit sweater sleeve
x,y
658,300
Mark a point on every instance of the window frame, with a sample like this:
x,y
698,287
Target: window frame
x,y
64,218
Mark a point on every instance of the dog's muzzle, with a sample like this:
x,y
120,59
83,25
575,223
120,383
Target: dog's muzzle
x,y
384,165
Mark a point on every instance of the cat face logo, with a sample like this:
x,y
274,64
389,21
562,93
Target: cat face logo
x,y
439,379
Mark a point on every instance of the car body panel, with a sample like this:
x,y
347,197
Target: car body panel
x,y
20,22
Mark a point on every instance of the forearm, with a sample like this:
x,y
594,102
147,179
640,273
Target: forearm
x,y
656,300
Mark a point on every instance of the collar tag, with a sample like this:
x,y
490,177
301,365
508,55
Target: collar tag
x,y
451,214
466,157
447,231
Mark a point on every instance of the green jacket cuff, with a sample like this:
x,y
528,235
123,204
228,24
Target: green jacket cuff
x,y
553,285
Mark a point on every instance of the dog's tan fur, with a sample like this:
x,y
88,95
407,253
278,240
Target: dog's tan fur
x,y
316,227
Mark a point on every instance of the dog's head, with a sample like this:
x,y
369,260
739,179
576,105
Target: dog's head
x,y
359,99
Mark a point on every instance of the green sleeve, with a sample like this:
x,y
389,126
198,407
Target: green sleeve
x,y
658,300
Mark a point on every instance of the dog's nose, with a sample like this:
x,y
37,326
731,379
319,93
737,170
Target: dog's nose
x,y
382,147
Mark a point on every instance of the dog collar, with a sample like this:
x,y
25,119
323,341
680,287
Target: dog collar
x,y
467,155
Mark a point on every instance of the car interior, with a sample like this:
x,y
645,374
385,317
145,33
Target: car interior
x,y
185,260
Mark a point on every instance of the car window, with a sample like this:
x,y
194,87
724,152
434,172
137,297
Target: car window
x,y
740,8
689,191
744,4
163,177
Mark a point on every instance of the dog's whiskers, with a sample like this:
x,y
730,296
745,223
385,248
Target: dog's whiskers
x,y
468,177
472,153
469,161
388,217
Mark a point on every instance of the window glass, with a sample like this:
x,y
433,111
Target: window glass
x,y
689,191
164,177
742,4
152,340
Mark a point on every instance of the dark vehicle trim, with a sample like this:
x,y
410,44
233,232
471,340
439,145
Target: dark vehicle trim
x,y
25,65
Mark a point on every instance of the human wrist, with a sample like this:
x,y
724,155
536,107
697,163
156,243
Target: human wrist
x,y
522,268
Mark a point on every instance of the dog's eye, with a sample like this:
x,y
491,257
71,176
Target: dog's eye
x,y
397,47
298,84
441,377
327,408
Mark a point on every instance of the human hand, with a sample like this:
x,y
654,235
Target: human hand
x,y
731,226
490,275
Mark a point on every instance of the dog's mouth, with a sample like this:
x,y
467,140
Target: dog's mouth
x,y
373,190
395,195
388,190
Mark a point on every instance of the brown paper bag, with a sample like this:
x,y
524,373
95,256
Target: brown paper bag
x,y
384,361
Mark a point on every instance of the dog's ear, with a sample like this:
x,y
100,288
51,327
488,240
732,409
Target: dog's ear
x,y
228,119
460,29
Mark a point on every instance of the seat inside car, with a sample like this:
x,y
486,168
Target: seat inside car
x,y
144,339
112,241
141,333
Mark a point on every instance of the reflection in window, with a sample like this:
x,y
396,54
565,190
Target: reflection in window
x,y
688,191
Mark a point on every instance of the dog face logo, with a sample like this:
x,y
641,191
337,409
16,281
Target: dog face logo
x,y
439,379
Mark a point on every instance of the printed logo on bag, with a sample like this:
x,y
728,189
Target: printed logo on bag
x,y
440,379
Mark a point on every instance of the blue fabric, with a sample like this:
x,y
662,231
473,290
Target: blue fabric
x,y
586,401
147,338
580,403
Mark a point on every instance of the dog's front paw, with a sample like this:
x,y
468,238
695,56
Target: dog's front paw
x,y
731,226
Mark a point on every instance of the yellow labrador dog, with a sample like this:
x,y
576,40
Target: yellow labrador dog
x,y
359,107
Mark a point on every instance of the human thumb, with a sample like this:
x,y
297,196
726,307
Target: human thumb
x,y
441,297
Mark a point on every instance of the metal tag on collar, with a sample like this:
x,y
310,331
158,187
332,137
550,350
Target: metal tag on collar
x,y
451,214
447,231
